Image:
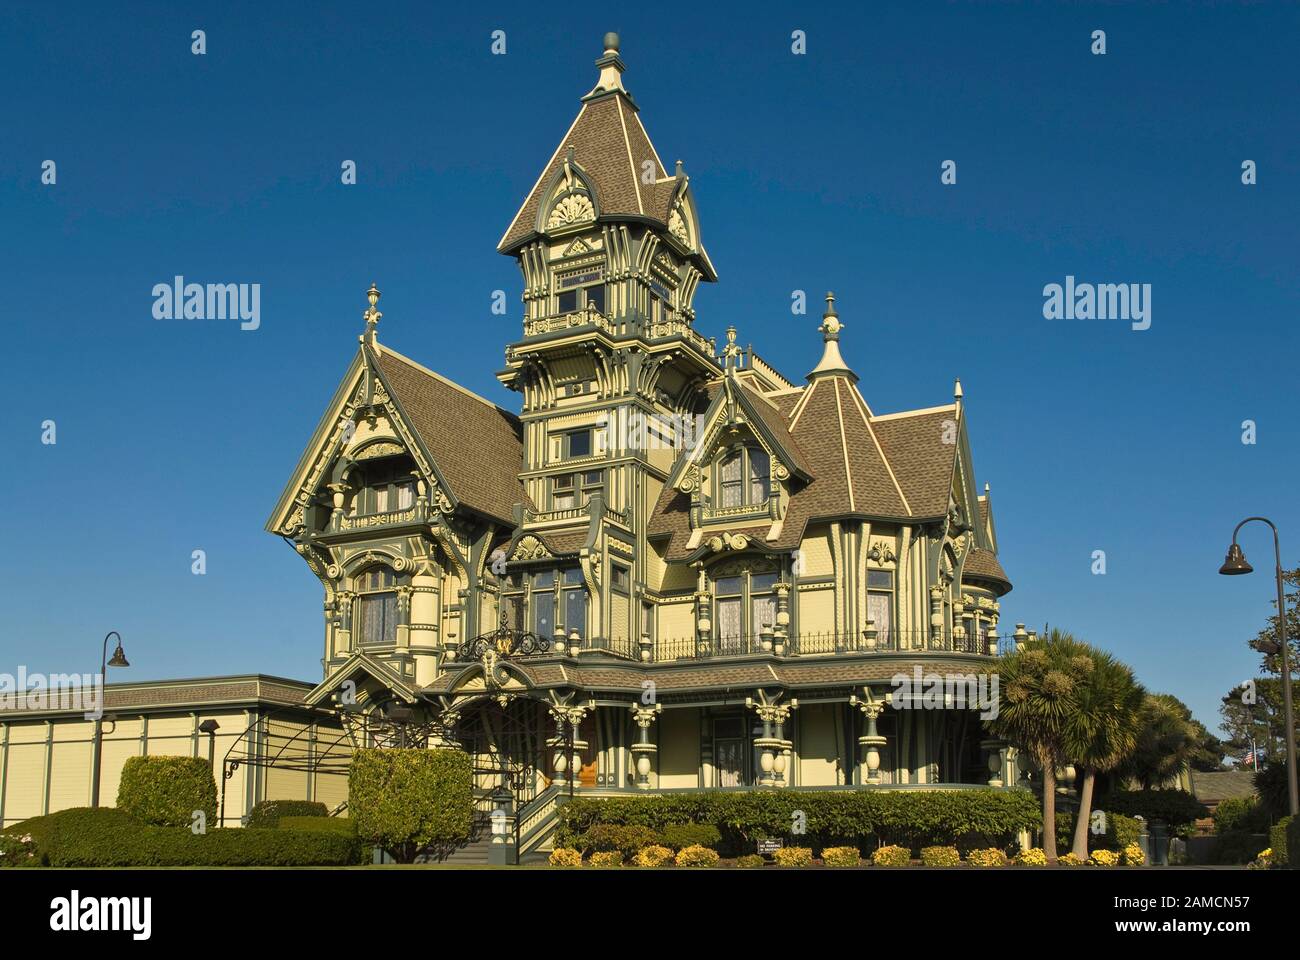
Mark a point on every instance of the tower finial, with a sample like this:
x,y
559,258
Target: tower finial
x,y
611,67
372,315
956,391
831,325
830,328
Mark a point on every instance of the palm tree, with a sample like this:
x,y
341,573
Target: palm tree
x,y
1166,742
1101,731
1040,685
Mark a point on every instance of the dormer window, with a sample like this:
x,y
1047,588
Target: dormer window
x,y
580,291
744,477
384,489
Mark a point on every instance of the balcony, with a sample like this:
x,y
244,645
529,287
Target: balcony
x,y
415,513
673,650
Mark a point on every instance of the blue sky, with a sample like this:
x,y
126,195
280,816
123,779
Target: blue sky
x,y
812,172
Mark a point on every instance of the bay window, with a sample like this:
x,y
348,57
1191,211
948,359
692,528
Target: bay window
x,y
377,612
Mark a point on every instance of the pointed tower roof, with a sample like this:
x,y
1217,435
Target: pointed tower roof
x,y
608,150
831,361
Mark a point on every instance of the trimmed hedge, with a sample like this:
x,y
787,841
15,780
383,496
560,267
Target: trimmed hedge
x,y
1241,813
1277,841
912,819
1293,842
411,800
681,835
1178,808
106,837
269,812
607,837
166,791
1121,830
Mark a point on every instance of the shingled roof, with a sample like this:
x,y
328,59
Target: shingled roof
x,y
476,445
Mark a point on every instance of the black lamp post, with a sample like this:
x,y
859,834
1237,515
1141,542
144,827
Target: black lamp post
x,y
119,660
210,727
1233,565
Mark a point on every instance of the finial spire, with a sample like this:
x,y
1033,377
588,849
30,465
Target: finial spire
x,y
372,316
956,392
611,67
830,329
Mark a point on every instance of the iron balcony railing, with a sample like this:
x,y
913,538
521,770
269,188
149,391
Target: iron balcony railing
x,y
668,650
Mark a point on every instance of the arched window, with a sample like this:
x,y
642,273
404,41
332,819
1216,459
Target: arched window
x,y
377,606
744,477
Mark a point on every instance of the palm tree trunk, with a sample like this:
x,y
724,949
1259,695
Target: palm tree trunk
x,y
1049,811
1081,823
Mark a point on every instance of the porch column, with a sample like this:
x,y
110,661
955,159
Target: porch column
x,y
773,757
643,751
559,744
703,608
872,741
997,761
568,750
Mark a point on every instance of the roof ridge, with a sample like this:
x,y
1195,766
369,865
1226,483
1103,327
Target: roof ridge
x,y
912,413
449,382
631,160
844,448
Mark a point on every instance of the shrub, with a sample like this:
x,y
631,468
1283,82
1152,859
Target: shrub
x,y
988,857
751,860
88,837
1133,855
697,856
564,857
607,837
892,856
1033,857
1277,842
940,857
1263,862
1293,842
1241,813
1103,858
166,791
793,857
681,835
605,859
1178,808
18,850
268,812
1236,846
1068,860
410,800
841,857
833,817
653,856
1120,831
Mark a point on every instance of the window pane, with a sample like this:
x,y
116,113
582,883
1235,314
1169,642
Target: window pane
x,y
729,626
762,581
724,586
593,478
573,575
514,611
580,443
759,469
575,611
880,579
568,301
543,614
405,496
563,482
381,499
543,579
389,602
879,609
619,577
764,614
562,501
596,297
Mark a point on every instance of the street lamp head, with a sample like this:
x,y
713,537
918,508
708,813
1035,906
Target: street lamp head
x,y
119,658
209,727
1235,563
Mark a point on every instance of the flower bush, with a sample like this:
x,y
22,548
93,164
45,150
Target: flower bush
x,y
653,856
1133,855
1263,862
1103,858
750,860
841,857
607,837
940,857
697,856
18,851
564,857
1033,857
605,859
793,857
988,857
1068,860
892,856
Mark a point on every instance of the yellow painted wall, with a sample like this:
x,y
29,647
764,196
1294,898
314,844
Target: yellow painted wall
x,y
820,745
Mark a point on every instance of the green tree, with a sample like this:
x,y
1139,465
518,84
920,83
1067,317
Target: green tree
x,y
1039,686
1166,743
1102,726
407,801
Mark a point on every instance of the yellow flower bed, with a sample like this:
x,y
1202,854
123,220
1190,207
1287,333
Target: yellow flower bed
x,y
653,856
564,857
697,856
1068,860
606,859
988,857
841,857
1103,858
1133,855
793,857
892,856
940,857
1033,857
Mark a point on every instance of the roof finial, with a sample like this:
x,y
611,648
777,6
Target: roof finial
x,y
956,392
611,67
731,352
830,329
372,315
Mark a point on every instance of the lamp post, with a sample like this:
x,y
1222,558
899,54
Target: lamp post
x,y
1235,564
119,660
210,727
